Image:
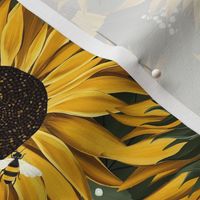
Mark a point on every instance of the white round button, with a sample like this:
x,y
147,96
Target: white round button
x,y
98,192
156,73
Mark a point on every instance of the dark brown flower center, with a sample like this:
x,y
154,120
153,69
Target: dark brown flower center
x,y
23,107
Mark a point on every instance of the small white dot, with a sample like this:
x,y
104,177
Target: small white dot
x,y
98,192
144,17
156,73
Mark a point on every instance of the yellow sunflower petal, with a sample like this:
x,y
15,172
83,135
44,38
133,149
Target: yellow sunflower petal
x,y
141,121
111,84
34,49
56,185
194,196
32,26
71,76
62,55
168,126
11,37
4,7
139,109
146,152
143,131
62,86
69,67
30,188
145,172
135,121
62,158
117,71
174,189
54,42
13,10
163,174
87,104
96,170
82,134
4,191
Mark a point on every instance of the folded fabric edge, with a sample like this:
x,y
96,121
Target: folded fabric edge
x,y
125,58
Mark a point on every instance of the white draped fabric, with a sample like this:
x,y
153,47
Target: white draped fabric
x,y
163,34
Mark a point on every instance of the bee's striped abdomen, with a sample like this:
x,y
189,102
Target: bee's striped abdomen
x,y
10,172
9,179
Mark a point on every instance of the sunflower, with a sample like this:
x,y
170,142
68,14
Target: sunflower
x,y
51,92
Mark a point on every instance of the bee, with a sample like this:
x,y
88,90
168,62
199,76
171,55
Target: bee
x,y
12,167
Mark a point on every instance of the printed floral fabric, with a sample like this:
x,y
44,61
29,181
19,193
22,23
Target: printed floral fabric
x,y
163,34
77,126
